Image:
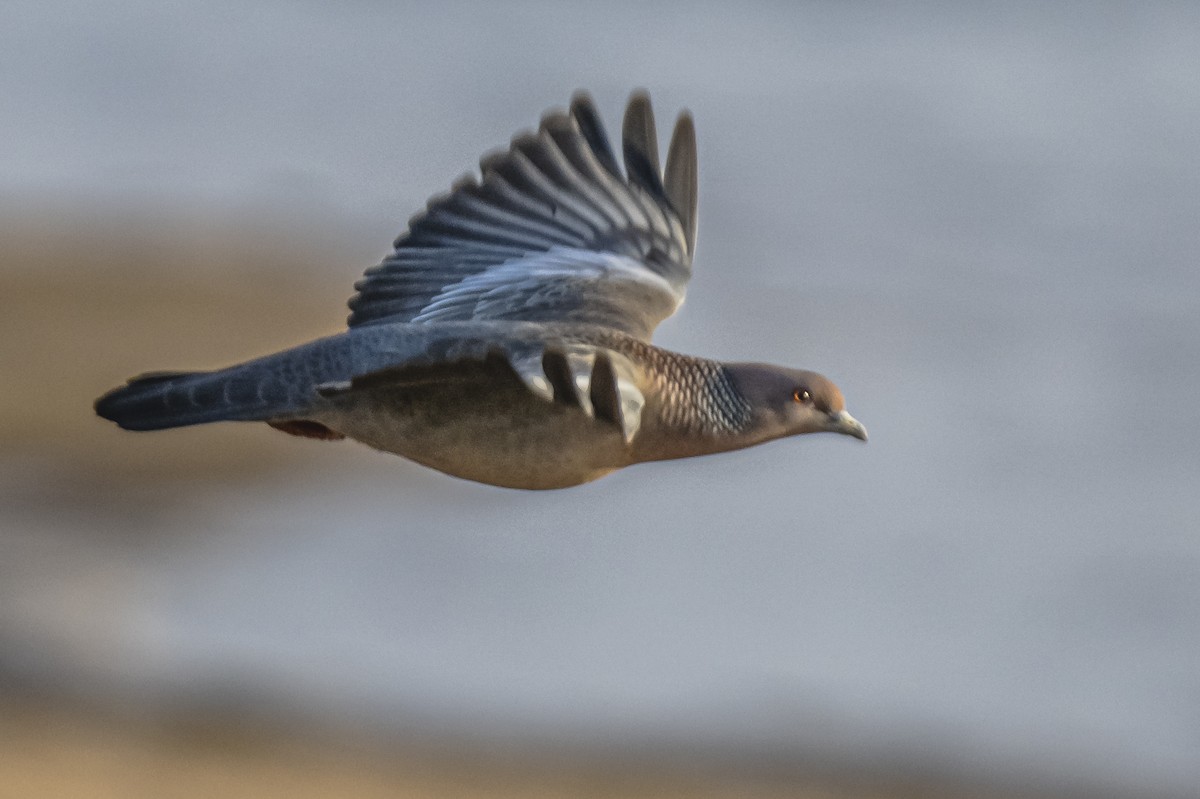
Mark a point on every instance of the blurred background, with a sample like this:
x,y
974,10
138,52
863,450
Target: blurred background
x,y
980,219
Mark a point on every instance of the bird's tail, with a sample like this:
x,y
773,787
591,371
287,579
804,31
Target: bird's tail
x,y
160,400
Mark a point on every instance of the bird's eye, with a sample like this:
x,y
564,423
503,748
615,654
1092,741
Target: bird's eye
x,y
802,396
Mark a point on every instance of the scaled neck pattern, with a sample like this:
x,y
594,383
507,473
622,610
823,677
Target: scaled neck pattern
x,y
694,404
698,397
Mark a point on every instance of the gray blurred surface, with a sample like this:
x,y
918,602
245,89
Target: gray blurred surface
x,y
979,220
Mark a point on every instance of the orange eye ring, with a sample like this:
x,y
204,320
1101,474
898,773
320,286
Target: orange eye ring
x,y
802,396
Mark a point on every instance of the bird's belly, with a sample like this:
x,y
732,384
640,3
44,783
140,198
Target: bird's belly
x,y
524,442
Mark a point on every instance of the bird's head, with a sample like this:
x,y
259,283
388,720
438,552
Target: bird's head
x,y
788,402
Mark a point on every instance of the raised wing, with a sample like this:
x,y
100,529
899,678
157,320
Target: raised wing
x,y
551,232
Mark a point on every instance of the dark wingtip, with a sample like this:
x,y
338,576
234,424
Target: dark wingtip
x,y
681,179
639,143
638,129
583,111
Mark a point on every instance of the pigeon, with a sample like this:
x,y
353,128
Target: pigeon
x,y
506,337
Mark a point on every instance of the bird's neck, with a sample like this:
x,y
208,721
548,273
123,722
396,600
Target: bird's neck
x,y
693,408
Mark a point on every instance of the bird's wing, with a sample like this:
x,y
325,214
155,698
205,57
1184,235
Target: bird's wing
x,y
551,231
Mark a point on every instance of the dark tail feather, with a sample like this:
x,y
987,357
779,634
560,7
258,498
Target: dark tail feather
x,y
173,399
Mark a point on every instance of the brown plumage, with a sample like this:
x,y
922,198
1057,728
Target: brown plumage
x,y
506,339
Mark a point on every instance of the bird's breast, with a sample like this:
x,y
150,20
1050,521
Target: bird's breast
x,y
500,435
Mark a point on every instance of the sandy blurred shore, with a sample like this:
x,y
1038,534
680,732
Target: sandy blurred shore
x,y
85,305
50,751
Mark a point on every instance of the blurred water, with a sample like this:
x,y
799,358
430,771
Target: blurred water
x,y
981,222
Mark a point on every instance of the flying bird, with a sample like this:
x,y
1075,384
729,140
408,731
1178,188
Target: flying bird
x,y
506,338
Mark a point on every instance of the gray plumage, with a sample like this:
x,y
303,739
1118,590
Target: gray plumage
x,y
506,337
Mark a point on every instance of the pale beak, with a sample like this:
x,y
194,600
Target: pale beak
x,y
844,423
